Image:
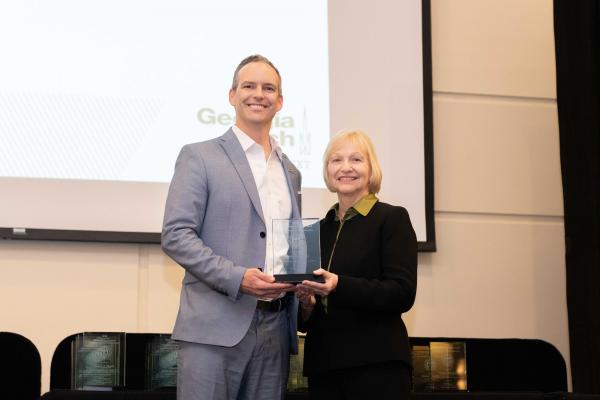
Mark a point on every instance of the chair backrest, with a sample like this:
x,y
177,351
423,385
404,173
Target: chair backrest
x,y
510,365
60,367
516,365
20,368
118,395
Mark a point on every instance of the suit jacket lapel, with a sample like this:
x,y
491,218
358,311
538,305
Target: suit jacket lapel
x,y
236,154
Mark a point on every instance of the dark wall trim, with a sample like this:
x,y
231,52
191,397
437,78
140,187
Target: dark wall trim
x,y
430,244
79,236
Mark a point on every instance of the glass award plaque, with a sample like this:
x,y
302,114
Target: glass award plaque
x,y
448,366
421,360
296,249
161,362
439,366
97,361
296,381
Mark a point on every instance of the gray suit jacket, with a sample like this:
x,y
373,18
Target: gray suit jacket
x,y
214,227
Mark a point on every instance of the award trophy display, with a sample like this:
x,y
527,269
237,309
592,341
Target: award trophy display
x,y
439,367
296,250
97,361
448,365
421,360
296,381
161,362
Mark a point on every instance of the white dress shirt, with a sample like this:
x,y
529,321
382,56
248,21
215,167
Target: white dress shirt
x,y
273,190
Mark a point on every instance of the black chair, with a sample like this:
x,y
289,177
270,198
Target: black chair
x,y
60,367
526,369
510,365
113,395
515,365
21,368
478,396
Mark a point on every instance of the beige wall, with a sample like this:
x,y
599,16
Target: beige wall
x,y
499,270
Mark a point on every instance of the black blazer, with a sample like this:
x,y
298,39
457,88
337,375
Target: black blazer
x,y
376,261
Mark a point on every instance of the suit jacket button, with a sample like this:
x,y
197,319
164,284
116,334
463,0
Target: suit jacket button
x,y
262,234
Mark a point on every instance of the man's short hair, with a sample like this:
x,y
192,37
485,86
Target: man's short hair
x,y
251,59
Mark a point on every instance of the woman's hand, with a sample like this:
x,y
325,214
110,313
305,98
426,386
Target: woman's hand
x,y
307,302
316,288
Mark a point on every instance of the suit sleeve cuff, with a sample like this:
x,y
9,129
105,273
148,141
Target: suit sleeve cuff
x,y
235,283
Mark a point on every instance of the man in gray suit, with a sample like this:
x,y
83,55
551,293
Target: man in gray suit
x,y
236,326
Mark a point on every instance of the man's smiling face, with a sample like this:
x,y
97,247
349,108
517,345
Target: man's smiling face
x,y
257,97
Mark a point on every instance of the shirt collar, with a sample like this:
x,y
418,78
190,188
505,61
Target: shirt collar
x,y
362,207
246,141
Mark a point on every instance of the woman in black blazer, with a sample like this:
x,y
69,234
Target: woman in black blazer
x,y
357,345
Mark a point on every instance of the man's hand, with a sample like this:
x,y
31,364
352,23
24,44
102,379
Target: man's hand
x,y
259,284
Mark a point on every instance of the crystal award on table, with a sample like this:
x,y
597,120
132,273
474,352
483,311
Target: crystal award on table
x,y
439,366
296,381
161,362
448,365
97,361
296,249
421,360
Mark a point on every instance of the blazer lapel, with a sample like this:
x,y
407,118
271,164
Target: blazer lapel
x,y
234,151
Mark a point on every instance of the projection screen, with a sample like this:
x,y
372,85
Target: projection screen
x,y
97,98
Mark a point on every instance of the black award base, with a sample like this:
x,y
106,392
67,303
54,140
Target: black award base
x,y
297,278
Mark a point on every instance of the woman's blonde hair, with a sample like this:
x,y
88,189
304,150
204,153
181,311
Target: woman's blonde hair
x,y
365,145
